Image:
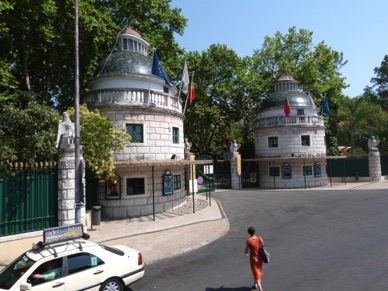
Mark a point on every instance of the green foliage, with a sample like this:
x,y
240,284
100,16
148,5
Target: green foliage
x,y
360,118
218,104
38,41
379,90
27,131
99,140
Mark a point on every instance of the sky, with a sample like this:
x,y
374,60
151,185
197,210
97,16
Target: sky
x,y
357,28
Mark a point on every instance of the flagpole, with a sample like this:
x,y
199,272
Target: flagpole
x,y
188,94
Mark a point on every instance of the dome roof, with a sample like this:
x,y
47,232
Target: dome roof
x,y
286,86
124,63
296,99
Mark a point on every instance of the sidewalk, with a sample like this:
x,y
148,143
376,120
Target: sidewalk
x,y
171,234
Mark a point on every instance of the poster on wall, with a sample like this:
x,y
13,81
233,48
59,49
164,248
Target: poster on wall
x,y
317,170
167,183
113,189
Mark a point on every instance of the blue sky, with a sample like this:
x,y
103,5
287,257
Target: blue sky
x,y
358,28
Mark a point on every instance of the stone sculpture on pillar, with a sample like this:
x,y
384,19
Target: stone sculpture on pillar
x,y
187,149
66,132
373,143
234,147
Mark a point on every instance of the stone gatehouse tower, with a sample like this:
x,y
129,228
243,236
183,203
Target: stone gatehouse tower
x,y
291,150
152,168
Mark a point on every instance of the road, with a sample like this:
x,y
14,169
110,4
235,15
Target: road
x,y
318,240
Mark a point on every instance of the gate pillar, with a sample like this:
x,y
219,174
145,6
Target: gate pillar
x,y
235,166
66,175
374,163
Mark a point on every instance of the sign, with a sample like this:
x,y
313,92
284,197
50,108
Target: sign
x,y
167,183
62,233
208,169
200,180
238,160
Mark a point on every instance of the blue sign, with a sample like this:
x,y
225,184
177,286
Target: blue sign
x,y
200,180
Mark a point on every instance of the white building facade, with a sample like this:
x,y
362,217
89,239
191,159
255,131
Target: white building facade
x,y
152,169
291,150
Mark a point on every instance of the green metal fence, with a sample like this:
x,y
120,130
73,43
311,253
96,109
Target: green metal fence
x,y
28,199
347,167
384,166
222,174
92,185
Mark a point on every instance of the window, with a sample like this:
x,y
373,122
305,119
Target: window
x,y
136,132
130,44
177,182
125,47
307,170
300,111
82,261
175,135
50,270
273,142
274,171
305,140
135,186
286,171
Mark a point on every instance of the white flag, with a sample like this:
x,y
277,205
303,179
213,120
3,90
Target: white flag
x,y
185,80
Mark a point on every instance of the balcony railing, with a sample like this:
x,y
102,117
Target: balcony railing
x,y
301,120
127,97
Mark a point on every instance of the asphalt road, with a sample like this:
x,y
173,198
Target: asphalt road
x,y
318,240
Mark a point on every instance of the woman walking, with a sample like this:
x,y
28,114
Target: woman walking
x,y
253,245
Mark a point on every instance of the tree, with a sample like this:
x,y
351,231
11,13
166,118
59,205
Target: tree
x,y
99,155
37,51
218,74
27,131
379,90
359,117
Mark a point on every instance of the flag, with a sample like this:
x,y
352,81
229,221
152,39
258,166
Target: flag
x,y
191,95
326,105
287,107
185,80
158,70
312,103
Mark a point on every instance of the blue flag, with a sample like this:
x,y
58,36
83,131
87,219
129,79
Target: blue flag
x,y
158,70
326,105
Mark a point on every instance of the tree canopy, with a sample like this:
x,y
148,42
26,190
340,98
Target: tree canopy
x,y
37,52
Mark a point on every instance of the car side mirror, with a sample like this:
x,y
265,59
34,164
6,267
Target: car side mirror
x,y
25,286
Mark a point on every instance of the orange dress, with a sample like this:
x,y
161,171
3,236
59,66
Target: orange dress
x,y
254,244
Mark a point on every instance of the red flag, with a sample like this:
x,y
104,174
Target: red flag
x,y
191,94
287,107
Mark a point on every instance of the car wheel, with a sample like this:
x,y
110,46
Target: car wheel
x,y
112,285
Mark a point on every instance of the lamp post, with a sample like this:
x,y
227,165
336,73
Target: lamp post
x,y
77,176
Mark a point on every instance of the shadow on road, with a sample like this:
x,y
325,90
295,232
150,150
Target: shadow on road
x,y
222,288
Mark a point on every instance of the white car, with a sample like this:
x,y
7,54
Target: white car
x,y
73,264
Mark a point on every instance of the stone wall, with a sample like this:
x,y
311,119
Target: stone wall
x,y
289,142
140,205
157,130
298,180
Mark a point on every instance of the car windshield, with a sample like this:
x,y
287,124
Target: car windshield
x,y
14,271
112,250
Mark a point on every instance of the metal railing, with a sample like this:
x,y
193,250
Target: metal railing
x,y
303,120
134,97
